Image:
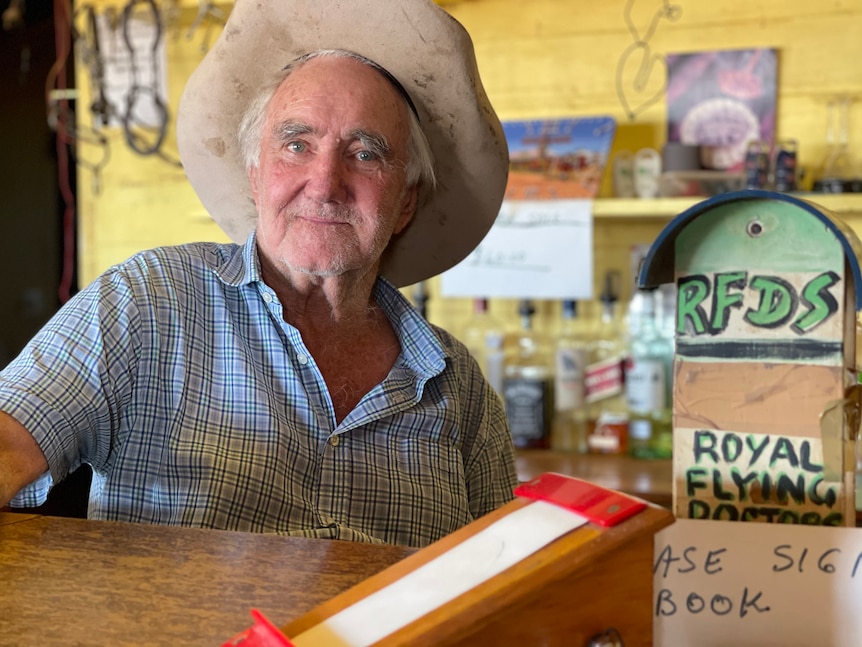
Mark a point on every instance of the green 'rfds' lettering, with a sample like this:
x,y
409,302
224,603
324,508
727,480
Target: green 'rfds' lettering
x,y
777,302
691,292
820,302
723,299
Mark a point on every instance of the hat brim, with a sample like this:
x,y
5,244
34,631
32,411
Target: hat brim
x,y
423,47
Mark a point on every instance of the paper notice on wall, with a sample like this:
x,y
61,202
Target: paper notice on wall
x,y
540,249
718,583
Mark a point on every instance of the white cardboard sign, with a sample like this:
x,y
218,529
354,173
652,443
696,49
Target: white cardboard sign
x,y
718,583
540,249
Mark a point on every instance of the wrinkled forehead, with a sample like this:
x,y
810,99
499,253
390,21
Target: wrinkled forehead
x,y
344,98
299,61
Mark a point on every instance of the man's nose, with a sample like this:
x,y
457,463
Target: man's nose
x,y
326,177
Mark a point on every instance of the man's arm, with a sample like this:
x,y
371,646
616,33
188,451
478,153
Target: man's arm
x,y
21,459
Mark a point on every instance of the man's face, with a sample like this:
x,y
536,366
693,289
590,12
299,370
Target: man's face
x,y
330,187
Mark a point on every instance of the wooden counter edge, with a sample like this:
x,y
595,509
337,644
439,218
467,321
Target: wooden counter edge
x,y
8,516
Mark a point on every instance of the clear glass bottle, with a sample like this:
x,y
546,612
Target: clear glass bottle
x,y
528,384
608,412
646,383
484,337
837,172
571,354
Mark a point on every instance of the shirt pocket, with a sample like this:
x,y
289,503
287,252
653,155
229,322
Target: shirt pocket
x,y
422,458
431,476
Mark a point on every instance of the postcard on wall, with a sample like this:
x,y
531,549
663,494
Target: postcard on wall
x,y
554,159
722,101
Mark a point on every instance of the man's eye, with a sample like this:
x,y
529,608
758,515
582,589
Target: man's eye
x,y
296,147
366,156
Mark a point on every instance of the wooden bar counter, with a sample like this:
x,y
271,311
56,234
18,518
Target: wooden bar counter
x,y
77,582
651,480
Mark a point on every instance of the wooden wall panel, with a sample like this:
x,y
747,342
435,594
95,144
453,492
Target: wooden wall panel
x,y
541,58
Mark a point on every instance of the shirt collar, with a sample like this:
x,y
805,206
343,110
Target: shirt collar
x,y
421,345
242,266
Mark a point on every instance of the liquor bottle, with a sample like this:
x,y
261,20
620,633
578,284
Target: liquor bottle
x,y
528,385
608,412
646,382
484,337
571,353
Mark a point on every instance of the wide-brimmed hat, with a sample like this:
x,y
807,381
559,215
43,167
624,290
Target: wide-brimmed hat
x,y
427,51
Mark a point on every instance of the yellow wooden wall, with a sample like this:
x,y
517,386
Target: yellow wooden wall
x,y
541,58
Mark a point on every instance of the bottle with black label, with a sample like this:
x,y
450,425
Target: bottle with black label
x,y
528,384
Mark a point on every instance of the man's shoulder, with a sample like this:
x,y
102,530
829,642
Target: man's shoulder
x,y
209,253
172,259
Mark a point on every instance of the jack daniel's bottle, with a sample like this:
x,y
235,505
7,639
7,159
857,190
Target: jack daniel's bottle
x,y
528,385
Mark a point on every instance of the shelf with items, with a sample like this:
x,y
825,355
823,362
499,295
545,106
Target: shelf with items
x,y
842,204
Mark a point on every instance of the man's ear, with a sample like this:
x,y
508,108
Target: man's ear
x,y
408,209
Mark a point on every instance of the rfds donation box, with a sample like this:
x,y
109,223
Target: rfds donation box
x,y
765,418
765,390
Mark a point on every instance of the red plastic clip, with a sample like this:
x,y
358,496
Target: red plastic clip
x,y
261,634
599,505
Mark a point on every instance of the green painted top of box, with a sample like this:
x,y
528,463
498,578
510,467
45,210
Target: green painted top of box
x,y
757,234
761,281
756,230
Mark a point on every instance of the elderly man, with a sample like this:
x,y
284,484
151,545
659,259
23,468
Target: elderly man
x,y
285,385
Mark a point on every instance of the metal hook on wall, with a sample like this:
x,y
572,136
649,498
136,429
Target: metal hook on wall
x,y
208,14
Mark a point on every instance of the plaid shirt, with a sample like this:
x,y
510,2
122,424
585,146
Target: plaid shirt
x,y
176,378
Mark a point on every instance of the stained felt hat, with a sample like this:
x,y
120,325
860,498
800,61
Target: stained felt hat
x,y
426,50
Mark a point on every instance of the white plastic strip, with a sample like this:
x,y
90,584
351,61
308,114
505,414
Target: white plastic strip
x,y
463,567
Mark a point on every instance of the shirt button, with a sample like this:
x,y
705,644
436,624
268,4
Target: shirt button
x,y
302,359
335,441
267,297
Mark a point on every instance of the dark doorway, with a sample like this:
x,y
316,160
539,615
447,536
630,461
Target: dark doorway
x,y
34,207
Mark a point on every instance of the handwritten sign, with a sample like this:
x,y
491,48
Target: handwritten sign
x,y
719,583
539,249
728,476
747,305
